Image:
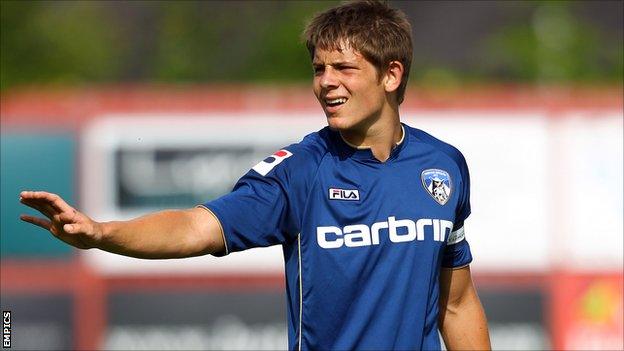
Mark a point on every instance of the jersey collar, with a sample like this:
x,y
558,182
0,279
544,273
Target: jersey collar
x,y
365,152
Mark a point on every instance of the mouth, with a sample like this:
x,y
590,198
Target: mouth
x,y
332,105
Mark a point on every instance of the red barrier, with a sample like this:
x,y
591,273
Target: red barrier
x,y
70,108
587,312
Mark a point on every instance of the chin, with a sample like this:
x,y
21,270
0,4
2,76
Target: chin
x,y
337,123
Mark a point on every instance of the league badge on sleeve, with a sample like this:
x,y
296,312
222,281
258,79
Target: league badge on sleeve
x,y
438,184
265,166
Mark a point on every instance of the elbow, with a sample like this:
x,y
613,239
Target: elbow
x,y
206,234
452,304
448,310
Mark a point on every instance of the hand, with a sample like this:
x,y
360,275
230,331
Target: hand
x,y
63,221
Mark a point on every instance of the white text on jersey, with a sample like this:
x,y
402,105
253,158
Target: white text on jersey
x,y
344,194
358,235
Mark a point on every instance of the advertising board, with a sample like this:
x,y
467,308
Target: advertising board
x,y
131,165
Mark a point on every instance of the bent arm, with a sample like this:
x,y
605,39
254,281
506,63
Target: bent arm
x,y
165,234
462,321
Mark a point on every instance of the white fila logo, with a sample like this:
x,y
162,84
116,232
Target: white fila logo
x,y
344,194
265,166
358,235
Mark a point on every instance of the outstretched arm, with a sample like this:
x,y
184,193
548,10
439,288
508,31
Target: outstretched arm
x,y
165,234
462,320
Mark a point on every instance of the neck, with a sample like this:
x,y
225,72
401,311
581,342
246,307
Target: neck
x,y
381,137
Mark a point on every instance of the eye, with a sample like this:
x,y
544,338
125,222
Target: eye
x,y
318,69
346,68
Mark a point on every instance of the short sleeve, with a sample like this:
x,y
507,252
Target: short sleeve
x,y
256,213
463,205
457,251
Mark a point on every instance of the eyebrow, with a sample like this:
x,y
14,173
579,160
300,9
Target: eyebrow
x,y
335,63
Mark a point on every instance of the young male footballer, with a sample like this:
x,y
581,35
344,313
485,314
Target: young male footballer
x,y
369,211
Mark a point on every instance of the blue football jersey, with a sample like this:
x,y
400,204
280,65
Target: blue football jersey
x,y
363,240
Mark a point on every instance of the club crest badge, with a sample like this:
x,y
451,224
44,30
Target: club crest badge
x,y
438,184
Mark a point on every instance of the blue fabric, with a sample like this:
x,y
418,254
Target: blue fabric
x,y
370,253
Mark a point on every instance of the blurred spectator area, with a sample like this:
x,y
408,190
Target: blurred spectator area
x,y
69,42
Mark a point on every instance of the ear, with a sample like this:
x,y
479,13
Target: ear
x,y
393,76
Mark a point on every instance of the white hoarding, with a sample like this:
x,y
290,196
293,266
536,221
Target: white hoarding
x,y
545,191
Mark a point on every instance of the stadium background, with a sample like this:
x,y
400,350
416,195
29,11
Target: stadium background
x,y
128,107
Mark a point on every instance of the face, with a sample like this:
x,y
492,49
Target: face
x,y
348,88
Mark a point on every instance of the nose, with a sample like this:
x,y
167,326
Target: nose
x,y
328,79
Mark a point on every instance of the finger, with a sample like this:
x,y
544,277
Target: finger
x,y
44,208
58,203
33,194
68,217
43,223
40,202
52,199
